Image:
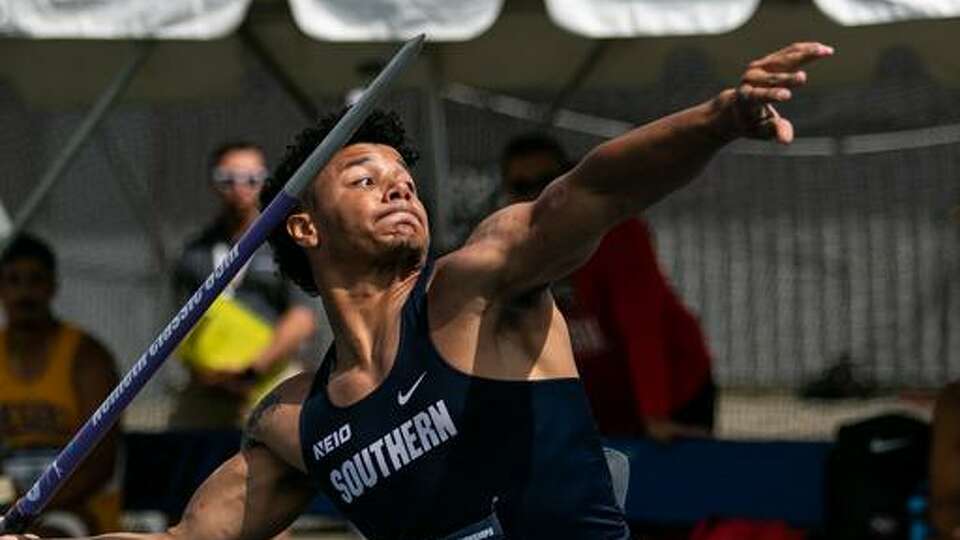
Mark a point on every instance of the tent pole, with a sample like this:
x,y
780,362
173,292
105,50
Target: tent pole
x,y
103,105
579,76
145,213
6,226
439,143
300,97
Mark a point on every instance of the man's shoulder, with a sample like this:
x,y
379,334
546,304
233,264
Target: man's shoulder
x,y
195,260
292,393
275,421
205,238
92,352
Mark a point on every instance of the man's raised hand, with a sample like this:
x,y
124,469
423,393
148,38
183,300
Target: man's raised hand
x,y
770,80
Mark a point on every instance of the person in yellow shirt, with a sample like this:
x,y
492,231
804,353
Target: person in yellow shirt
x,y
52,377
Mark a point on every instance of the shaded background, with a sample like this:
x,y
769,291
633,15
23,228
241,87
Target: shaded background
x,y
840,246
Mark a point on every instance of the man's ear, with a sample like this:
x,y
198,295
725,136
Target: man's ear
x,y
301,228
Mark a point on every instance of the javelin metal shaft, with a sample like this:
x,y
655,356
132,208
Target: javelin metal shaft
x,y
86,439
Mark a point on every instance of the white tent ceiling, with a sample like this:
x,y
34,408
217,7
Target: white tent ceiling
x,y
866,12
633,18
441,20
389,20
528,46
121,19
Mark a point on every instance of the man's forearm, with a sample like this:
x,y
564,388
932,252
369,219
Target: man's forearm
x,y
642,166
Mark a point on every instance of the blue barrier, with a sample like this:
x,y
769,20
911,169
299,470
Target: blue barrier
x,y
682,482
690,480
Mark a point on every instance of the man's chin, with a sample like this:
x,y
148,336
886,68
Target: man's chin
x,y
403,253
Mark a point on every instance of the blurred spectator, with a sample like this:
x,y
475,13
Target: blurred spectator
x,y
945,464
641,355
52,377
241,348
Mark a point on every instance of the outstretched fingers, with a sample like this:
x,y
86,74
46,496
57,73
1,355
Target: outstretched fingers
x,y
792,57
761,77
748,93
771,80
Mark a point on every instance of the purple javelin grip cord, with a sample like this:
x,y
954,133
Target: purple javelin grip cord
x,y
29,506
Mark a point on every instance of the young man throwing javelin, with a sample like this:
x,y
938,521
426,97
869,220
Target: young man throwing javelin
x,y
449,406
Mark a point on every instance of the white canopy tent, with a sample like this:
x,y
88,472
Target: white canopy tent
x,y
441,20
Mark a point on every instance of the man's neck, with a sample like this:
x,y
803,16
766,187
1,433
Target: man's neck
x,y
28,346
364,309
31,332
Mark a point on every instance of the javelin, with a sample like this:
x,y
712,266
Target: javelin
x,y
30,505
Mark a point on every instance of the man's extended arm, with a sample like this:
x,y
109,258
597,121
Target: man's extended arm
x,y
252,496
530,244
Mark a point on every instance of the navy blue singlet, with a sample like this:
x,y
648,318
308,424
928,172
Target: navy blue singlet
x,y
433,451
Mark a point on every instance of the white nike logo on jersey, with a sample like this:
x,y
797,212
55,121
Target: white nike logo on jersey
x,y
402,398
880,446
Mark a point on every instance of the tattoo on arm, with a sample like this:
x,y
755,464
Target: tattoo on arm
x,y
252,428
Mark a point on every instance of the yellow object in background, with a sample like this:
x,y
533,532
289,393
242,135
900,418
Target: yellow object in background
x,y
8,491
229,337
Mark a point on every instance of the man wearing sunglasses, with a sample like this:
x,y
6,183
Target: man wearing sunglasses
x,y
241,347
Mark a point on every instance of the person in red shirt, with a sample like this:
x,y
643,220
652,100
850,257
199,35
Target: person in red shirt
x,y
641,354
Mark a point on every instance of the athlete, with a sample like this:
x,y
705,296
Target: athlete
x,y
449,407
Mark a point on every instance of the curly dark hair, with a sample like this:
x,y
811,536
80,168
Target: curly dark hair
x,y
381,127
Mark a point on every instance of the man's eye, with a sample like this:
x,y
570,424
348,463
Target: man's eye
x,y
366,181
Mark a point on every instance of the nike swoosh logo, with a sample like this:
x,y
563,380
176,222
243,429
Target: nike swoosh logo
x,y
402,398
880,446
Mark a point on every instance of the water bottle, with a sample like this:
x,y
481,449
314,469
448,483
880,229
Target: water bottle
x,y
917,512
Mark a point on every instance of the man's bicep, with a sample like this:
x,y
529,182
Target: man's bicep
x,y
532,244
253,495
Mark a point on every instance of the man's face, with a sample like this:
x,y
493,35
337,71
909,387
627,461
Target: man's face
x,y
26,290
365,200
238,178
525,175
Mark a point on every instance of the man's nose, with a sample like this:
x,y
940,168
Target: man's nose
x,y
400,188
